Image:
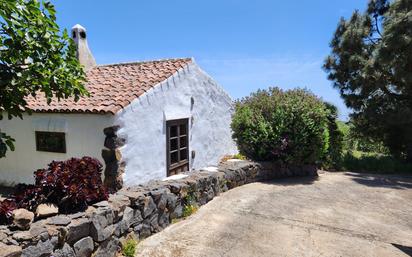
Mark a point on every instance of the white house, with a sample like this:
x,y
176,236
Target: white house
x,y
160,118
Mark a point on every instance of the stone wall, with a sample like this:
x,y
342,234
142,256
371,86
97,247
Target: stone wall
x,y
141,210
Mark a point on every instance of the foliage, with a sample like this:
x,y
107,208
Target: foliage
x,y
190,205
129,247
354,141
239,156
6,210
333,158
189,209
374,163
371,65
35,58
72,185
290,126
5,141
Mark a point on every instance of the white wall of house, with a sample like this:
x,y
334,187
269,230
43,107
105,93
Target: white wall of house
x,y
84,137
143,124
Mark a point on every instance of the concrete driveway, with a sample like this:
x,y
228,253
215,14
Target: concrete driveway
x,y
339,214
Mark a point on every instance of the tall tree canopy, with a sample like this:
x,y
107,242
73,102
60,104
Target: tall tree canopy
x,y
371,65
35,58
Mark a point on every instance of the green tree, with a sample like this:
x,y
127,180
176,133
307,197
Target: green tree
x,y
35,58
371,65
333,157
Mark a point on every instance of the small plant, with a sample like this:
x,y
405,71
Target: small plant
x,y
129,247
239,156
190,205
6,210
72,185
189,210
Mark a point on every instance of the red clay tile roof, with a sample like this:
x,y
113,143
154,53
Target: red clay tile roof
x,y
113,87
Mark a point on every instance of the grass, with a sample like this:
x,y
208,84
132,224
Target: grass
x,y
129,247
189,209
374,163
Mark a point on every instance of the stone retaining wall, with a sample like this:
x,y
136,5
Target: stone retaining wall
x,y
141,210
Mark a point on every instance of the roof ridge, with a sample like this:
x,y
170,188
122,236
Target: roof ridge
x,y
145,61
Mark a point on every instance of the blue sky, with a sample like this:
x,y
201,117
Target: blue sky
x,y
243,44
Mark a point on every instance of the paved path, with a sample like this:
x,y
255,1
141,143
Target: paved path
x,y
337,215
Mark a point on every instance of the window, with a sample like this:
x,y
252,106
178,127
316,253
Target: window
x,y
177,136
51,142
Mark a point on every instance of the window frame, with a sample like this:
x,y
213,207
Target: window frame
x,y
181,163
61,135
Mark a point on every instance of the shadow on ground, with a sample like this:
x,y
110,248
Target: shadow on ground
x,y
292,181
405,249
5,192
387,181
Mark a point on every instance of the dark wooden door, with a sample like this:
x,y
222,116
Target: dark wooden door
x,y
177,146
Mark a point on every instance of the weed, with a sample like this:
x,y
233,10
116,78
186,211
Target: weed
x,y
129,247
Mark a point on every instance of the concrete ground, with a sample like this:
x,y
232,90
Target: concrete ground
x,y
339,214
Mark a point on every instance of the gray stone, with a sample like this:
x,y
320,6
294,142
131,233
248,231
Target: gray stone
x,y
37,229
148,206
114,142
111,155
108,248
60,220
65,251
171,201
132,216
99,230
164,219
22,218
10,250
22,236
84,247
76,215
111,131
100,226
46,210
154,223
101,204
177,212
2,236
41,249
134,197
143,230
77,229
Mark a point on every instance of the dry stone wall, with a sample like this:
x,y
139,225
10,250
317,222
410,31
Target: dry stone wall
x,y
142,210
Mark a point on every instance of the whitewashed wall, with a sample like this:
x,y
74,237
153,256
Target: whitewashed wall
x,y
84,137
143,124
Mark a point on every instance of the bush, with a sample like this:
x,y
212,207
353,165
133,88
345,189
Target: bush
x,y
72,185
6,210
275,125
129,247
374,163
334,155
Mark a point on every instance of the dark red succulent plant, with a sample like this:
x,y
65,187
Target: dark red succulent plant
x,y
6,210
72,185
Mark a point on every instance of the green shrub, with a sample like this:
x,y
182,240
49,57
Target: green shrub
x,y
290,126
239,156
333,157
129,247
190,205
374,163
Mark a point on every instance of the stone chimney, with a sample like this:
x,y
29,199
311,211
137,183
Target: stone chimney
x,y
84,54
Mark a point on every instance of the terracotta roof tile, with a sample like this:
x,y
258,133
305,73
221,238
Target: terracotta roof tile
x,y
112,87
